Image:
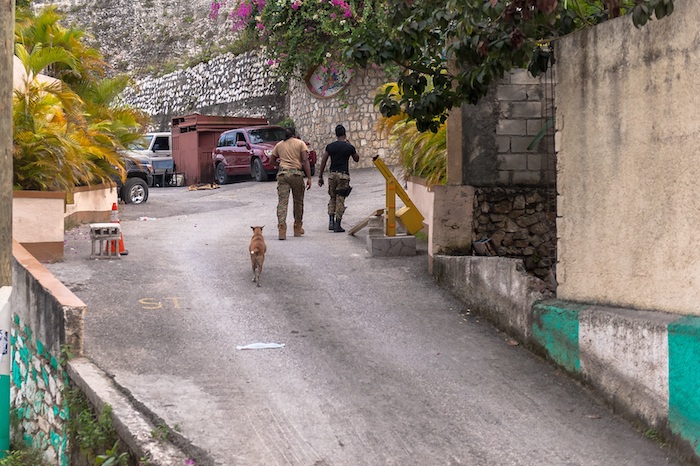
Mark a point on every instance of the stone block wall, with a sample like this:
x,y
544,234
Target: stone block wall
x,y
520,223
316,118
228,85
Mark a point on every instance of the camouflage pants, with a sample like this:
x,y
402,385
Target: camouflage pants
x,y
336,204
286,182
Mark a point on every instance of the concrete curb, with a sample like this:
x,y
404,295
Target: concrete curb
x,y
645,364
132,426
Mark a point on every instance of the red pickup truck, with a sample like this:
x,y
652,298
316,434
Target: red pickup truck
x,y
248,150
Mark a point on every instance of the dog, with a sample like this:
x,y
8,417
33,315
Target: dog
x,y
257,250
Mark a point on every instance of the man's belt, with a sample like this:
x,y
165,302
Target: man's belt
x,y
290,171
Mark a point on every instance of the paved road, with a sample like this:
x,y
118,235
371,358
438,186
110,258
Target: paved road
x,y
380,367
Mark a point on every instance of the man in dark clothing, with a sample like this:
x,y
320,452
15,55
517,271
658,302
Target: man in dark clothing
x,y
340,152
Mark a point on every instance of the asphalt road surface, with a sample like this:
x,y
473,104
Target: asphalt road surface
x,y
380,365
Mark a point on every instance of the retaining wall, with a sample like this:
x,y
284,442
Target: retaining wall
x,y
316,118
519,223
46,318
228,85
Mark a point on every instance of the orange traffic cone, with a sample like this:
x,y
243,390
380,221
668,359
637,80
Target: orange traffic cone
x,y
114,218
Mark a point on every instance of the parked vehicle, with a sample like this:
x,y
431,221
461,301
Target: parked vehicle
x,y
248,150
139,176
156,149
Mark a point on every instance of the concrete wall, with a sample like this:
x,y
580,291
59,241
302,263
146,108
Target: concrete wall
x,y
39,217
37,222
497,131
447,212
498,288
627,127
90,204
316,118
46,317
642,363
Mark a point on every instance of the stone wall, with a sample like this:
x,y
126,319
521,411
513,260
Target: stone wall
x,y
148,36
228,85
316,118
519,223
47,317
36,395
243,86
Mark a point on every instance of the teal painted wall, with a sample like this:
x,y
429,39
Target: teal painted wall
x,y
684,379
555,328
36,384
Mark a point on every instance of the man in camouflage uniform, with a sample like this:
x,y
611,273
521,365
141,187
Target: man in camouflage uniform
x,y
291,156
339,152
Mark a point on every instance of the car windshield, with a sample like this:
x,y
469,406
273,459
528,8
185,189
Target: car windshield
x,y
266,135
144,143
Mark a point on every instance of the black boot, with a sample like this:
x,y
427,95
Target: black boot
x,y
331,222
337,228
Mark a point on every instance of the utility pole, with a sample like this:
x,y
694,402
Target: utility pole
x,y
7,28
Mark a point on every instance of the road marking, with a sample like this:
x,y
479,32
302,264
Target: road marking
x,y
151,304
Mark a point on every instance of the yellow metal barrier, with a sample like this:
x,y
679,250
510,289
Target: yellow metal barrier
x,y
409,214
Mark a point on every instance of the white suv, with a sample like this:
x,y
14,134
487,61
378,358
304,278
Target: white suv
x,y
156,149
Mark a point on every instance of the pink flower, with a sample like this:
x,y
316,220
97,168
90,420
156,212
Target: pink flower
x,y
296,5
241,15
332,15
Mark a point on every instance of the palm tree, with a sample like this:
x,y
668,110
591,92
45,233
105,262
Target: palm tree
x,y
421,154
68,133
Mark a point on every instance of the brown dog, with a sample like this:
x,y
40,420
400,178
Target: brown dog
x,y
257,252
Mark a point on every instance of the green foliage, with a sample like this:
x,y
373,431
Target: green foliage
x,y
160,432
94,435
299,35
23,457
486,39
286,123
68,130
422,154
112,457
418,41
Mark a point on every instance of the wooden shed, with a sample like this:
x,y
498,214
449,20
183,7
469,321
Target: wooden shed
x,y
194,139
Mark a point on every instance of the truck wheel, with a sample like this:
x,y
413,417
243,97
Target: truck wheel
x,y
135,191
221,176
259,172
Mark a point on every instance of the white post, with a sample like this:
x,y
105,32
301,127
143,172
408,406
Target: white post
x,y
5,365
